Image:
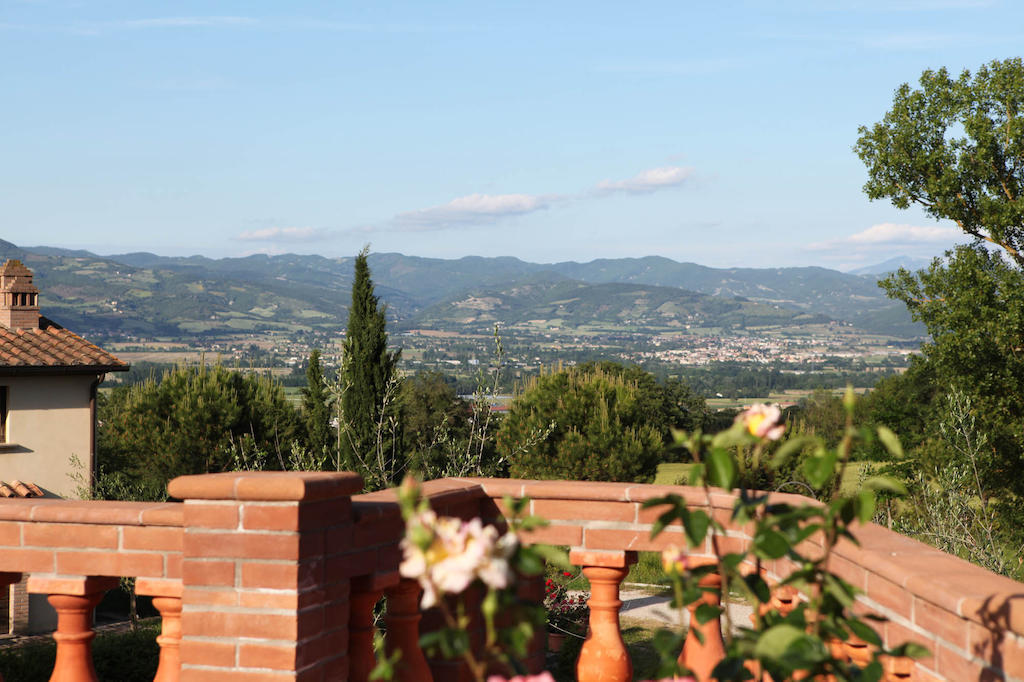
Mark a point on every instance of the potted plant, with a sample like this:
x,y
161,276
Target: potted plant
x,y
567,611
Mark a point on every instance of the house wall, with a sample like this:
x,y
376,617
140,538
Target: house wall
x,y
49,420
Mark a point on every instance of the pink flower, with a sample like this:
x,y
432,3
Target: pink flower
x,y
762,420
542,677
674,560
446,554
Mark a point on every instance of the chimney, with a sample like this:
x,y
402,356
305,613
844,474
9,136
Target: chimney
x,y
19,298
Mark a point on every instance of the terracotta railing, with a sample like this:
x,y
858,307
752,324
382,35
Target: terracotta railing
x,y
274,576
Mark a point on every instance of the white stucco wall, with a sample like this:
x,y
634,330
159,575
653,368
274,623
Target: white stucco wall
x,y
48,421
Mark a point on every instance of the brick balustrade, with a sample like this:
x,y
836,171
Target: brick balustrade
x,y
274,576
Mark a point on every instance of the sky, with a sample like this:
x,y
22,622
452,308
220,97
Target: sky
x,y
717,133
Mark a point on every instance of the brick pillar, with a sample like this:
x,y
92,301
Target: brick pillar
x,y
257,600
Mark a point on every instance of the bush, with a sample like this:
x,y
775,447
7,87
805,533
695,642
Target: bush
x,y
118,657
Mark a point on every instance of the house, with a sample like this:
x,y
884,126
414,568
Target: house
x,y
48,382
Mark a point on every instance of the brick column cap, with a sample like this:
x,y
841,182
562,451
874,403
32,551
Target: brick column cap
x,y
266,486
78,586
606,559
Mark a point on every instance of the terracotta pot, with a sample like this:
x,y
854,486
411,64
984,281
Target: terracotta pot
x,y
556,640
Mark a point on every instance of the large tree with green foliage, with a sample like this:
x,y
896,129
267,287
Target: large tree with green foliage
x,y
595,422
194,420
316,408
955,146
369,387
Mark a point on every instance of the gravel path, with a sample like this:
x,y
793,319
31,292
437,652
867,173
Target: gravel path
x,y
654,608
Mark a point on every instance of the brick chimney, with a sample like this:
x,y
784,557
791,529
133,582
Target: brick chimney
x,y
19,298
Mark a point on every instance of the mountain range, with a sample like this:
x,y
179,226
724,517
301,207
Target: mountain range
x,y
147,294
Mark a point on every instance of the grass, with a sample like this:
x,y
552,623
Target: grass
x,y
118,656
638,640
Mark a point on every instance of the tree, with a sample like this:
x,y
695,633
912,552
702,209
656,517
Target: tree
x,y
954,147
194,420
368,423
316,409
601,421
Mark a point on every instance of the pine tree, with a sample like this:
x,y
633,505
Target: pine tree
x,y
369,414
316,413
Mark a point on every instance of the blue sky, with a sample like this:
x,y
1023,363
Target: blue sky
x,y
718,133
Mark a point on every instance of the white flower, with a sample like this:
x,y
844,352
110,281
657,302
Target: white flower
x,y
762,420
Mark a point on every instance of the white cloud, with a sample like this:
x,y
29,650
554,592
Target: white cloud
x,y
473,209
885,235
284,234
647,181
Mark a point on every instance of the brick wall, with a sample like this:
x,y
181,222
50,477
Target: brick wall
x,y
971,620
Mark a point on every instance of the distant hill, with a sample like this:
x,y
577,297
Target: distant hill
x,y
143,293
572,304
892,265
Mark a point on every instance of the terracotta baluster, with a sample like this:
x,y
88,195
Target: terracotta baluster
x,y
74,637
898,669
603,657
167,601
403,622
858,651
837,649
6,580
366,592
783,600
169,668
700,658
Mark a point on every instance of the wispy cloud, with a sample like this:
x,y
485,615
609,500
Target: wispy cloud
x,y
886,235
285,234
647,181
474,209
485,209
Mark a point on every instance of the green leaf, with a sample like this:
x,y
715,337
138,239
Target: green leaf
x,y
770,544
552,555
776,640
696,524
865,632
891,442
819,469
865,505
872,672
707,613
886,484
788,449
759,587
911,650
721,469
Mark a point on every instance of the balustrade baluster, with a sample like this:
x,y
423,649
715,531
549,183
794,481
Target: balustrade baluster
x,y
403,619
366,592
6,580
603,657
74,600
166,596
702,657
899,669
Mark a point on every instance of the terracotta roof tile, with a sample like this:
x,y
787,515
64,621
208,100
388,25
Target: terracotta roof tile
x,y
19,489
52,346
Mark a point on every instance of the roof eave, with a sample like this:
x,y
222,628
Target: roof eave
x,y
25,370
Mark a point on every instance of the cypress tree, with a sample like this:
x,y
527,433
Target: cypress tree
x,y
316,413
369,399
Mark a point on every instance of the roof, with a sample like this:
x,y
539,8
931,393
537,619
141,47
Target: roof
x,y
52,349
19,489
15,268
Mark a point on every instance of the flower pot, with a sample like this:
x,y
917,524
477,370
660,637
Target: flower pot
x,y
556,640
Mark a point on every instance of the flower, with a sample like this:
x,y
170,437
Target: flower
x,y
542,677
762,420
446,554
674,560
